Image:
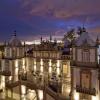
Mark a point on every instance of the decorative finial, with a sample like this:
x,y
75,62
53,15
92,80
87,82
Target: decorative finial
x,y
97,40
84,29
24,44
41,38
50,38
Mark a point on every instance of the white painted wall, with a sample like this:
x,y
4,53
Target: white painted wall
x,y
79,55
74,53
92,55
77,76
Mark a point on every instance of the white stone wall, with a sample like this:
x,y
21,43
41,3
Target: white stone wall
x,y
77,76
74,53
79,55
74,78
92,55
18,53
7,52
3,65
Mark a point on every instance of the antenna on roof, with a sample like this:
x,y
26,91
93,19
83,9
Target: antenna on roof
x,y
50,37
97,40
41,38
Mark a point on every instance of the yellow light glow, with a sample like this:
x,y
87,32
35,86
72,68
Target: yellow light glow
x,y
3,82
95,98
34,67
23,89
68,90
16,63
16,71
34,61
65,89
41,62
40,93
58,71
58,63
31,94
23,64
16,74
76,96
50,69
10,78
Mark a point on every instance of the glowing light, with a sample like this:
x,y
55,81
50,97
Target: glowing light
x,y
58,71
41,62
31,94
40,93
10,78
16,74
23,64
34,61
68,90
50,69
34,67
76,96
3,82
58,63
95,98
23,89
16,63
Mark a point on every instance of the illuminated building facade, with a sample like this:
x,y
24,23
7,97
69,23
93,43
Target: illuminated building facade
x,y
51,70
40,71
85,67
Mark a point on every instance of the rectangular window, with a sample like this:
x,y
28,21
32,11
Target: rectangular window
x,y
7,65
86,56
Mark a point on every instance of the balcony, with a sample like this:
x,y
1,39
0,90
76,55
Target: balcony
x,y
66,57
5,73
86,90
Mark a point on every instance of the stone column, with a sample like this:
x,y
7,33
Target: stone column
x,y
38,64
18,50
3,64
46,69
10,52
12,93
6,93
34,65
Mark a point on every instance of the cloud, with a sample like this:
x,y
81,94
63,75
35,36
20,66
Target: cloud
x,y
41,17
61,8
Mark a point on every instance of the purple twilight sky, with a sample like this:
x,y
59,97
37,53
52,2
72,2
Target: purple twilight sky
x,y
33,18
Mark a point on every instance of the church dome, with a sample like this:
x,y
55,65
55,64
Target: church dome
x,y
14,40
